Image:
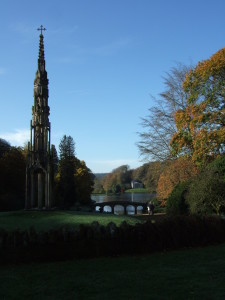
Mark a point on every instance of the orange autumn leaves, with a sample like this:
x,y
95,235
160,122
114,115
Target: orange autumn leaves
x,y
200,134
177,171
200,126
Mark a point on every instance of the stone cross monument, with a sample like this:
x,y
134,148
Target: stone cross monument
x,y
39,161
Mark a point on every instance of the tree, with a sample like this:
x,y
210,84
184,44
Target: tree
x,y
55,159
207,190
66,183
176,203
177,171
206,193
98,187
149,174
74,181
12,179
83,182
4,147
201,124
109,181
67,147
118,179
159,125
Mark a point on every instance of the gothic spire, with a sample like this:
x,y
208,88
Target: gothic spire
x,y
41,48
41,57
41,74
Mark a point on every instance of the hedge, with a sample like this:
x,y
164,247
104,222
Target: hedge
x,y
95,240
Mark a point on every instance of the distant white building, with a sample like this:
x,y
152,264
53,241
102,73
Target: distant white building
x,y
136,184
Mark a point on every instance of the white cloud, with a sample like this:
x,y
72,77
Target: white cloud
x,y
17,138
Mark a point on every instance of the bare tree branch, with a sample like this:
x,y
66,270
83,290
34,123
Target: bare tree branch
x,y
159,125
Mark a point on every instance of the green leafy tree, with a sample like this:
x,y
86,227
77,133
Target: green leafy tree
x,y
98,187
176,203
207,190
74,181
84,182
206,194
149,174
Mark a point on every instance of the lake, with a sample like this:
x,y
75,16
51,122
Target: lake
x,y
133,197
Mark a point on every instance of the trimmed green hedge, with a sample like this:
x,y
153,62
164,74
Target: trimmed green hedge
x,y
96,240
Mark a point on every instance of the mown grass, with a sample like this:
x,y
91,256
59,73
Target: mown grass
x,y
137,190
45,220
188,274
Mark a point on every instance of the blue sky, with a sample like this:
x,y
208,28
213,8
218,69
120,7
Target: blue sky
x,y
104,58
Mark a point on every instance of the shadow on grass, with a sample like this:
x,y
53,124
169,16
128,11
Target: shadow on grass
x,y
188,274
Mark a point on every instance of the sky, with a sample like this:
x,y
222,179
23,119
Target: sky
x,y
104,58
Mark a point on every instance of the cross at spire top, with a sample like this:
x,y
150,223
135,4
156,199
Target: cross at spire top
x,y
41,29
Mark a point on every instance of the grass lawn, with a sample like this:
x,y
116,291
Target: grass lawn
x,y
45,220
188,274
138,190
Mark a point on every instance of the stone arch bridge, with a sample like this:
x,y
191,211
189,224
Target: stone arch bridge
x,y
125,204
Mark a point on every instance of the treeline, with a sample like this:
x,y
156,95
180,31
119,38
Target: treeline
x,y
12,176
119,180
72,180
185,132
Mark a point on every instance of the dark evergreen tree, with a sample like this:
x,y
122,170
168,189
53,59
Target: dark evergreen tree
x,y
66,172
55,159
4,147
66,147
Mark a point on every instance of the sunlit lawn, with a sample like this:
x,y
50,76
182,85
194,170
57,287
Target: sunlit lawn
x,y
187,274
44,220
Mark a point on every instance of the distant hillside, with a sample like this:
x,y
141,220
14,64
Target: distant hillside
x,y
100,175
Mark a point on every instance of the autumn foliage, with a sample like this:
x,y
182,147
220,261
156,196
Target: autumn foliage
x,y
200,125
176,171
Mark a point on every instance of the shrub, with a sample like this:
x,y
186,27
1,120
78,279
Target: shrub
x,y
176,203
218,165
206,193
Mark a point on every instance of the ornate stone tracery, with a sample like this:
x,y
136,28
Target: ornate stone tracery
x,y
38,174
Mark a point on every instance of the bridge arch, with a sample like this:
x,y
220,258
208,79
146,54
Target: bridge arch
x,y
124,204
106,208
132,208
